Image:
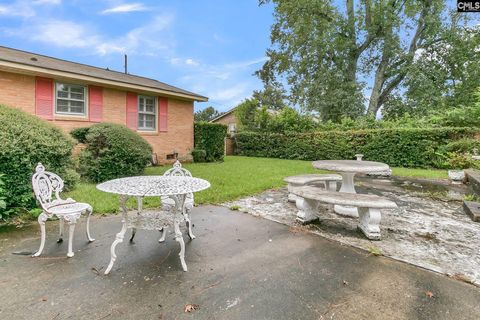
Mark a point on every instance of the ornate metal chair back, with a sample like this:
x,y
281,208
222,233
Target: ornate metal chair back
x,y
177,170
46,185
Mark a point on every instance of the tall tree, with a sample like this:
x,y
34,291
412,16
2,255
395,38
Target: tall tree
x,y
326,52
206,114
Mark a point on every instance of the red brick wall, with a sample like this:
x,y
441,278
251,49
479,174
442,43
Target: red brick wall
x,y
18,91
226,120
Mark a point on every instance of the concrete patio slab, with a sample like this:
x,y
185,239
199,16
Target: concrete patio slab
x,y
240,267
428,229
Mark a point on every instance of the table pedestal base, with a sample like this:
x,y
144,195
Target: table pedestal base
x,y
179,211
349,187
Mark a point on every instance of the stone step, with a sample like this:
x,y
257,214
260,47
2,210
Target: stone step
x,y
473,177
472,209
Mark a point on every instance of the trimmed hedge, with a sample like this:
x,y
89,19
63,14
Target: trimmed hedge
x,y
211,138
113,151
26,140
80,134
199,155
410,147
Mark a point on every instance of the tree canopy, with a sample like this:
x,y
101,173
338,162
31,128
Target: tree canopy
x,y
206,114
356,57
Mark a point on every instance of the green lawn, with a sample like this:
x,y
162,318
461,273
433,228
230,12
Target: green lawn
x,y
234,178
420,173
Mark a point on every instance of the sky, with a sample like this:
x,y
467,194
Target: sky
x,y
210,47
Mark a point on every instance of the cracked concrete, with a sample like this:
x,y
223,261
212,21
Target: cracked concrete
x,y
429,229
240,267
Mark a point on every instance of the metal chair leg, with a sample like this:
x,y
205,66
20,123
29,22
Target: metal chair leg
x,y
60,236
41,220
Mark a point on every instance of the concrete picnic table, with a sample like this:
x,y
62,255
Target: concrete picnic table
x,y
347,169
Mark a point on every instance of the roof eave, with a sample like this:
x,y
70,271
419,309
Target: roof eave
x,y
10,66
223,115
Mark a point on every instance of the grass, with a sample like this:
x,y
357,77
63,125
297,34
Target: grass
x,y
420,173
234,178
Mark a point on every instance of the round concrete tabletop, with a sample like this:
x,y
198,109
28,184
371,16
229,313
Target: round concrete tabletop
x,y
350,166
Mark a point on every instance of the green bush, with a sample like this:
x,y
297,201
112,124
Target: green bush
x,y
211,138
406,147
459,161
462,146
26,140
113,151
80,134
3,204
199,155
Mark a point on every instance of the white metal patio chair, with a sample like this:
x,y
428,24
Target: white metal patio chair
x,y
46,185
168,204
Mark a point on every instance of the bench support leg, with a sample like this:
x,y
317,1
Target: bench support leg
x,y
370,222
308,210
291,196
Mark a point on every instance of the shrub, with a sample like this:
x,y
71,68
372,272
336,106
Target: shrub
x,y
461,116
70,178
407,147
26,140
211,138
199,155
459,161
80,134
113,151
462,146
3,204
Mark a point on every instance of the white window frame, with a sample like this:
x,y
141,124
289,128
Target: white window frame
x,y
155,113
232,127
85,99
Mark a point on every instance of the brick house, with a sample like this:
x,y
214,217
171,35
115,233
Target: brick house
x,y
228,119
72,95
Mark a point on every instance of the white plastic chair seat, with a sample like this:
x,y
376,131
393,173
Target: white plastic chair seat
x,y
68,208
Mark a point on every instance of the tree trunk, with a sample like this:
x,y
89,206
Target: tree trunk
x,y
353,50
374,103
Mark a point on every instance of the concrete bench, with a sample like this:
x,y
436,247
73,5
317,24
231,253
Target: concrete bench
x,y
368,207
328,180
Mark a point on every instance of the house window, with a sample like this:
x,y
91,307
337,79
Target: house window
x,y
147,113
70,99
231,128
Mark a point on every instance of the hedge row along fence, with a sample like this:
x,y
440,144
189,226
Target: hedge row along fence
x,y
209,137
412,147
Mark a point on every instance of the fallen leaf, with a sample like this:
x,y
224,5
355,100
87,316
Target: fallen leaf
x,y
429,294
375,251
191,307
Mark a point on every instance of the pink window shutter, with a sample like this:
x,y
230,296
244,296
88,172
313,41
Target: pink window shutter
x,y
132,110
162,114
44,98
95,103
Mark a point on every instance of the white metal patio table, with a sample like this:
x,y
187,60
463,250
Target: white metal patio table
x,y
347,169
174,187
